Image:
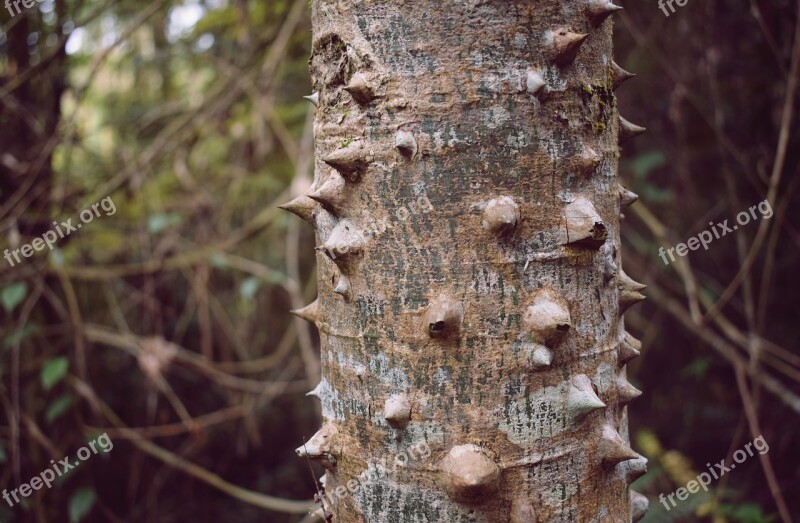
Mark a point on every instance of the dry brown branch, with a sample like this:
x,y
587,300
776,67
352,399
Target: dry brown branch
x,y
248,496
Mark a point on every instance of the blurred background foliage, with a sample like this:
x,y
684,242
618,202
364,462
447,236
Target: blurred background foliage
x,y
166,324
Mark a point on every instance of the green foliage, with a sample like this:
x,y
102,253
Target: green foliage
x,y
12,295
697,368
53,371
81,503
746,513
58,406
188,135
643,166
161,221
179,128
682,512
20,335
249,287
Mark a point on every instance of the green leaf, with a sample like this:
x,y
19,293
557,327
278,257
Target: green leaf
x,y
276,277
249,287
53,371
57,257
59,406
216,20
81,503
12,295
646,162
652,194
159,221
218,260
697,368
19,336
746,513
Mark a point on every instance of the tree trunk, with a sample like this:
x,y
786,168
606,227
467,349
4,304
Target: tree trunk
x,y
467,207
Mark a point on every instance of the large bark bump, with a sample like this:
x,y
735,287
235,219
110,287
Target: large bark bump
x,y
468,474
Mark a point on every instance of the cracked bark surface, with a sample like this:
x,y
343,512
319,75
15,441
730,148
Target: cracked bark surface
x,y
484,320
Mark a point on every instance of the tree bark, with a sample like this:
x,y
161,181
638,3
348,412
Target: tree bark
x,y
467,206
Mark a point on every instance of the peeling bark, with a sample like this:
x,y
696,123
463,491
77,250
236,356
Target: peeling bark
x,y
489,327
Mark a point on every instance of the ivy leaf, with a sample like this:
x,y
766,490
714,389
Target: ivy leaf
x,y
81,503
53,371
12,295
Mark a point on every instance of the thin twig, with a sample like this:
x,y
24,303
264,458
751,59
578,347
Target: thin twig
x,y
248,496
755,431
777,170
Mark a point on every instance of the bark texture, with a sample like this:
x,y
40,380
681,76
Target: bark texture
x,y
467,207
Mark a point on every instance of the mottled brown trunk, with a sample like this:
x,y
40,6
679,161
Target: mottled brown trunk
x,y
467,206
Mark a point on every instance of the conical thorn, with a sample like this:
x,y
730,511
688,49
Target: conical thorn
x,y
629,294
626,197
634,342
332,193
500,215
468,474
629,348
547,320
343,288
536,356
444,317
345,246
564,45
599,10
635,469
583,225
628,130
581,398
360,89
313,98
316,392
619,75
534,82
351,161
612,448
397,411
310,312
405,142
587,161
320,446
303,207
625,391
627,283
639,505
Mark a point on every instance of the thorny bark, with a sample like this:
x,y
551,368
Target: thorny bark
x,y
486,327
